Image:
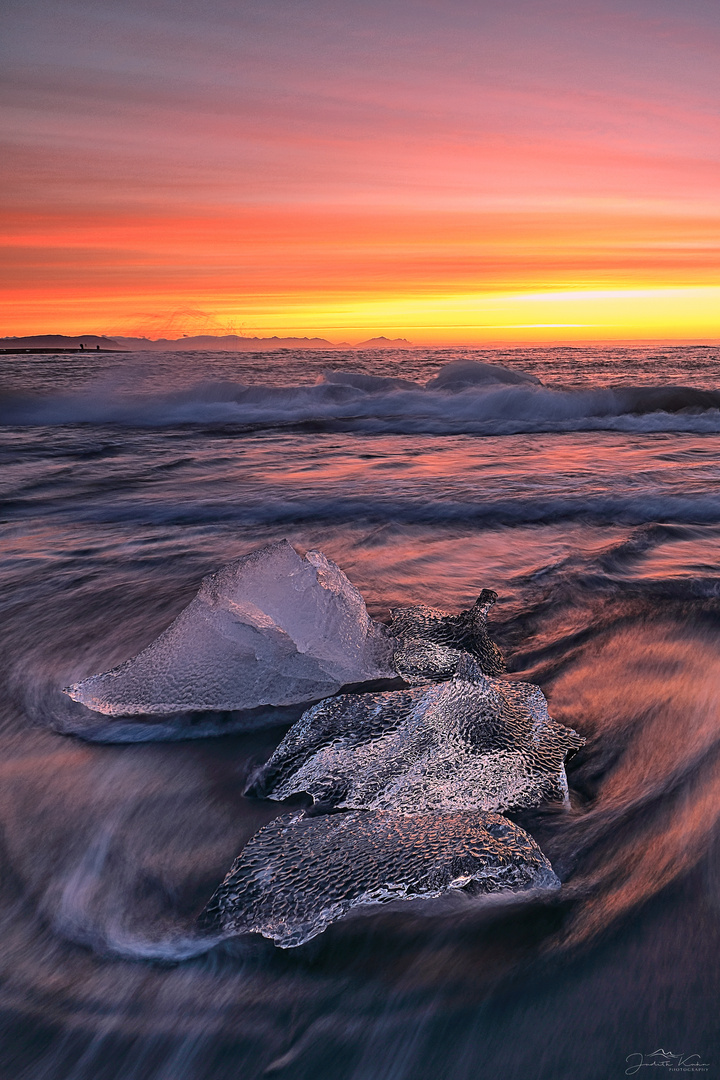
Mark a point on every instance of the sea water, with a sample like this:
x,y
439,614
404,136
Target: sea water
x,y
583,486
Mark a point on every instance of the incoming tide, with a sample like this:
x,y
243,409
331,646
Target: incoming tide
x,y
583,486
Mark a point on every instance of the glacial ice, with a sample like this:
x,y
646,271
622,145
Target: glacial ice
x,y
299,874
271,628
472,743
431,643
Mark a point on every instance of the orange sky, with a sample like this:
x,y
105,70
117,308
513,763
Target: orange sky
x,y
446,173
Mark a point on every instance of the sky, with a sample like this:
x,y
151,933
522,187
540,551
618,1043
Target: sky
x,y
449,172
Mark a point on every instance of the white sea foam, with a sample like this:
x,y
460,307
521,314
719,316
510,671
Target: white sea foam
x,y
466,397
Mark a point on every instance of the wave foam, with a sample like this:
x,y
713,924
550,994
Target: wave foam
x,y
467,397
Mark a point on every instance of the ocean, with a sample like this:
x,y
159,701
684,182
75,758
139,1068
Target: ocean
x,y
583,486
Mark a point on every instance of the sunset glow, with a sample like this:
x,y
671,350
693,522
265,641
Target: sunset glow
x,y
546,172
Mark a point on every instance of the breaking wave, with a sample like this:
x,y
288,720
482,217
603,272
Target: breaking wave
x,y
467,397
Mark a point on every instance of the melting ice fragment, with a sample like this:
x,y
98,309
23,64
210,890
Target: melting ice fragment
x,y
431,643
299,874
472,743
271,628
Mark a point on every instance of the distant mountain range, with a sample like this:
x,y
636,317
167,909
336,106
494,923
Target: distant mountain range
x,y
226,343
59,342
384,343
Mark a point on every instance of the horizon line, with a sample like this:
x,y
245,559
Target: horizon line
x,y
494,343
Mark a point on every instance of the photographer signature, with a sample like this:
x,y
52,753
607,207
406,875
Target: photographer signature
x,y
665,1060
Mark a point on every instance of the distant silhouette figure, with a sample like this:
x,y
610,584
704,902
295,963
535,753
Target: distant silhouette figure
x,y
81,345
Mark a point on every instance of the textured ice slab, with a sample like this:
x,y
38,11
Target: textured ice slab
x,y
269,629
298,874
485,744
431,643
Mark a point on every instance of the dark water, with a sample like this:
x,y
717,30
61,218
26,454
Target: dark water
x,y
591,503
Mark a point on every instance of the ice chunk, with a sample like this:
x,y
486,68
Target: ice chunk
x,y
299,874
431,643
269,629
485,744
